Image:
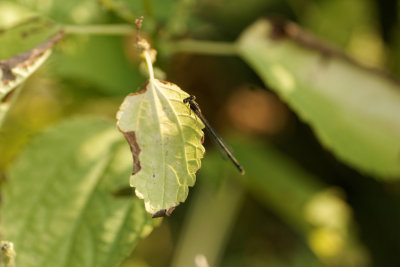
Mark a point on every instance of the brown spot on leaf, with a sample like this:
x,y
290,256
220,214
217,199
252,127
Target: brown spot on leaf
x,y
135,149
163,213
7,98
167,83
25,59
142,89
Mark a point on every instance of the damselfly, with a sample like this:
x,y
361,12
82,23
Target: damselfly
x,y
196,109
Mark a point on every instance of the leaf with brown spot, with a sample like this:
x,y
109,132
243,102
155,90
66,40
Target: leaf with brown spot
x,y
166,143
27,45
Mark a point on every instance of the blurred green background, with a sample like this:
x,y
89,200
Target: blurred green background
x,y
298,205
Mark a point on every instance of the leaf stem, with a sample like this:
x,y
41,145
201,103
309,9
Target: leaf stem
x,y
149,64
148,7
209,222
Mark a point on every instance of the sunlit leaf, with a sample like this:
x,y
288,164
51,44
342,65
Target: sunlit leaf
x,y
60,206
166,143
353,110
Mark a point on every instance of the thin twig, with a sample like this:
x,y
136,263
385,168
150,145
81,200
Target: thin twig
x,y
203,47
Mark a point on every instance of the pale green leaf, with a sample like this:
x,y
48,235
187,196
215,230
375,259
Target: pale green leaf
x,y
353,110
59,202
166,143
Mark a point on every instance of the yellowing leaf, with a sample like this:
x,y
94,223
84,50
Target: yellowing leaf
x,y
166,143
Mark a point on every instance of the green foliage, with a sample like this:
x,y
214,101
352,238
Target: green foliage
x,y
165,139
66,199
333,95
59,205
110,73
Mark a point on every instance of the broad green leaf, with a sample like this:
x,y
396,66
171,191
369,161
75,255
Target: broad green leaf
x,y
353,110
60,206
166,142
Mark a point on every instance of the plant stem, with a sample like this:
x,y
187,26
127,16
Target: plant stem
x,y
149,64
188,46
107,29
208,225
148,8
203,47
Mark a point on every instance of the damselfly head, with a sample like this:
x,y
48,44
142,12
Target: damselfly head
x,y
190,98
